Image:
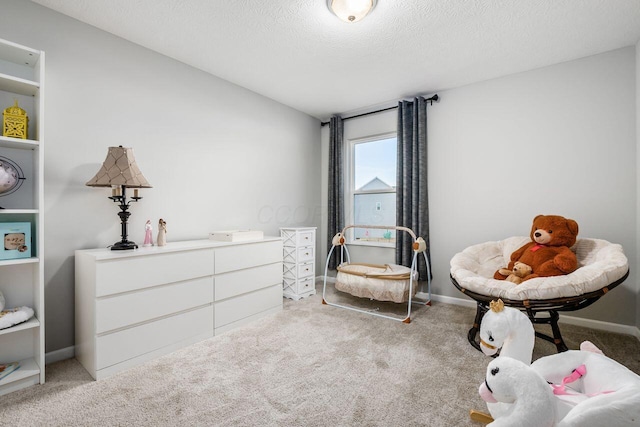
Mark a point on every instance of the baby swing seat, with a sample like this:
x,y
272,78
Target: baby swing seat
x,y
387,282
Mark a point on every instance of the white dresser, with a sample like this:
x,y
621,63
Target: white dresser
x,y
299,261
133,306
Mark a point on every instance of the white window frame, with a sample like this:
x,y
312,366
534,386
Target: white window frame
x,y
351,192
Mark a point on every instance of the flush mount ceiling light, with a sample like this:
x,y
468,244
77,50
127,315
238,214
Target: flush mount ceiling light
x,y
351,10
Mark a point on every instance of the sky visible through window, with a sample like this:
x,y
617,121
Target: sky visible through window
x,y
375,159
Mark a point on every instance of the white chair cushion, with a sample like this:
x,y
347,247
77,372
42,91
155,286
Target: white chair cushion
x,y
600,263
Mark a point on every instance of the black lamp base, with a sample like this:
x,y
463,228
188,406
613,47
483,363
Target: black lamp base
x,y
124,245
123,204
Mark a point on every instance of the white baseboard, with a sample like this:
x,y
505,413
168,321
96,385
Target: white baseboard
x,y
58,355
600,325
569,320
448,300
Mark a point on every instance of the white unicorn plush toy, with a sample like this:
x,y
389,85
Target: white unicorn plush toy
x,y
531,401
508,330
590,389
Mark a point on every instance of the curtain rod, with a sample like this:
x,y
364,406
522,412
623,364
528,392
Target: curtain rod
x,y
433,98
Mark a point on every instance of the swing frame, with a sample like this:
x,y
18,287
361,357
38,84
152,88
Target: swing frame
x,y
418,246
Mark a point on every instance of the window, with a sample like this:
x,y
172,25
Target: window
x,y
372,192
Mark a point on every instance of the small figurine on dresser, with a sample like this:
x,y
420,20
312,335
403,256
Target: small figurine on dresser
x,y
148,237
162,232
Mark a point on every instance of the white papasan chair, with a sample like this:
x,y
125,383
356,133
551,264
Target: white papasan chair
x,y
601,267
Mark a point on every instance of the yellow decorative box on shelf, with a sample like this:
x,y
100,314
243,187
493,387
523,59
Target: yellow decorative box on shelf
x,y
15,122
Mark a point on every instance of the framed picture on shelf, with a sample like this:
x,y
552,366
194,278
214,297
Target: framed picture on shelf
x,y
16,240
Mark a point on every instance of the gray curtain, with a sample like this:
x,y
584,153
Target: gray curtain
x,y
335,209
412,202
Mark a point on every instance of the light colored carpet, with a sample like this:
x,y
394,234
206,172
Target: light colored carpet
x,y
309,365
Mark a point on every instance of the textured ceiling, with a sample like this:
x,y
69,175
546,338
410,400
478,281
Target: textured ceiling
x,y
298,53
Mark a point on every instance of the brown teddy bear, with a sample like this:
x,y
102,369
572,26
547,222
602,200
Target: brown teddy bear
x,y
548,253
518,274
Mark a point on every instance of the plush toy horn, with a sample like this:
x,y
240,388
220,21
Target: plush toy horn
x,y
496,306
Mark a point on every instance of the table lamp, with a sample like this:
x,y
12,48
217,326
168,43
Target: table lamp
x,y
120,171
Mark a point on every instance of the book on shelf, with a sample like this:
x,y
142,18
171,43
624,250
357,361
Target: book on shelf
x,y
7,368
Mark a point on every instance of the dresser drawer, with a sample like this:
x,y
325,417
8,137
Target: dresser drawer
x,y
242,281
306,238
234,309
305,270
135,307
129,343
249,255
306,285
306,254
123,275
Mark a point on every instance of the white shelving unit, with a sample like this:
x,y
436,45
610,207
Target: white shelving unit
x,y
22,280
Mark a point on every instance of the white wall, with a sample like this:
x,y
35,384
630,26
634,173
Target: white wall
x,y
218,156
638,177
556,140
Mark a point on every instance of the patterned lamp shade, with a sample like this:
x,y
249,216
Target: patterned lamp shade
x,y
119,169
